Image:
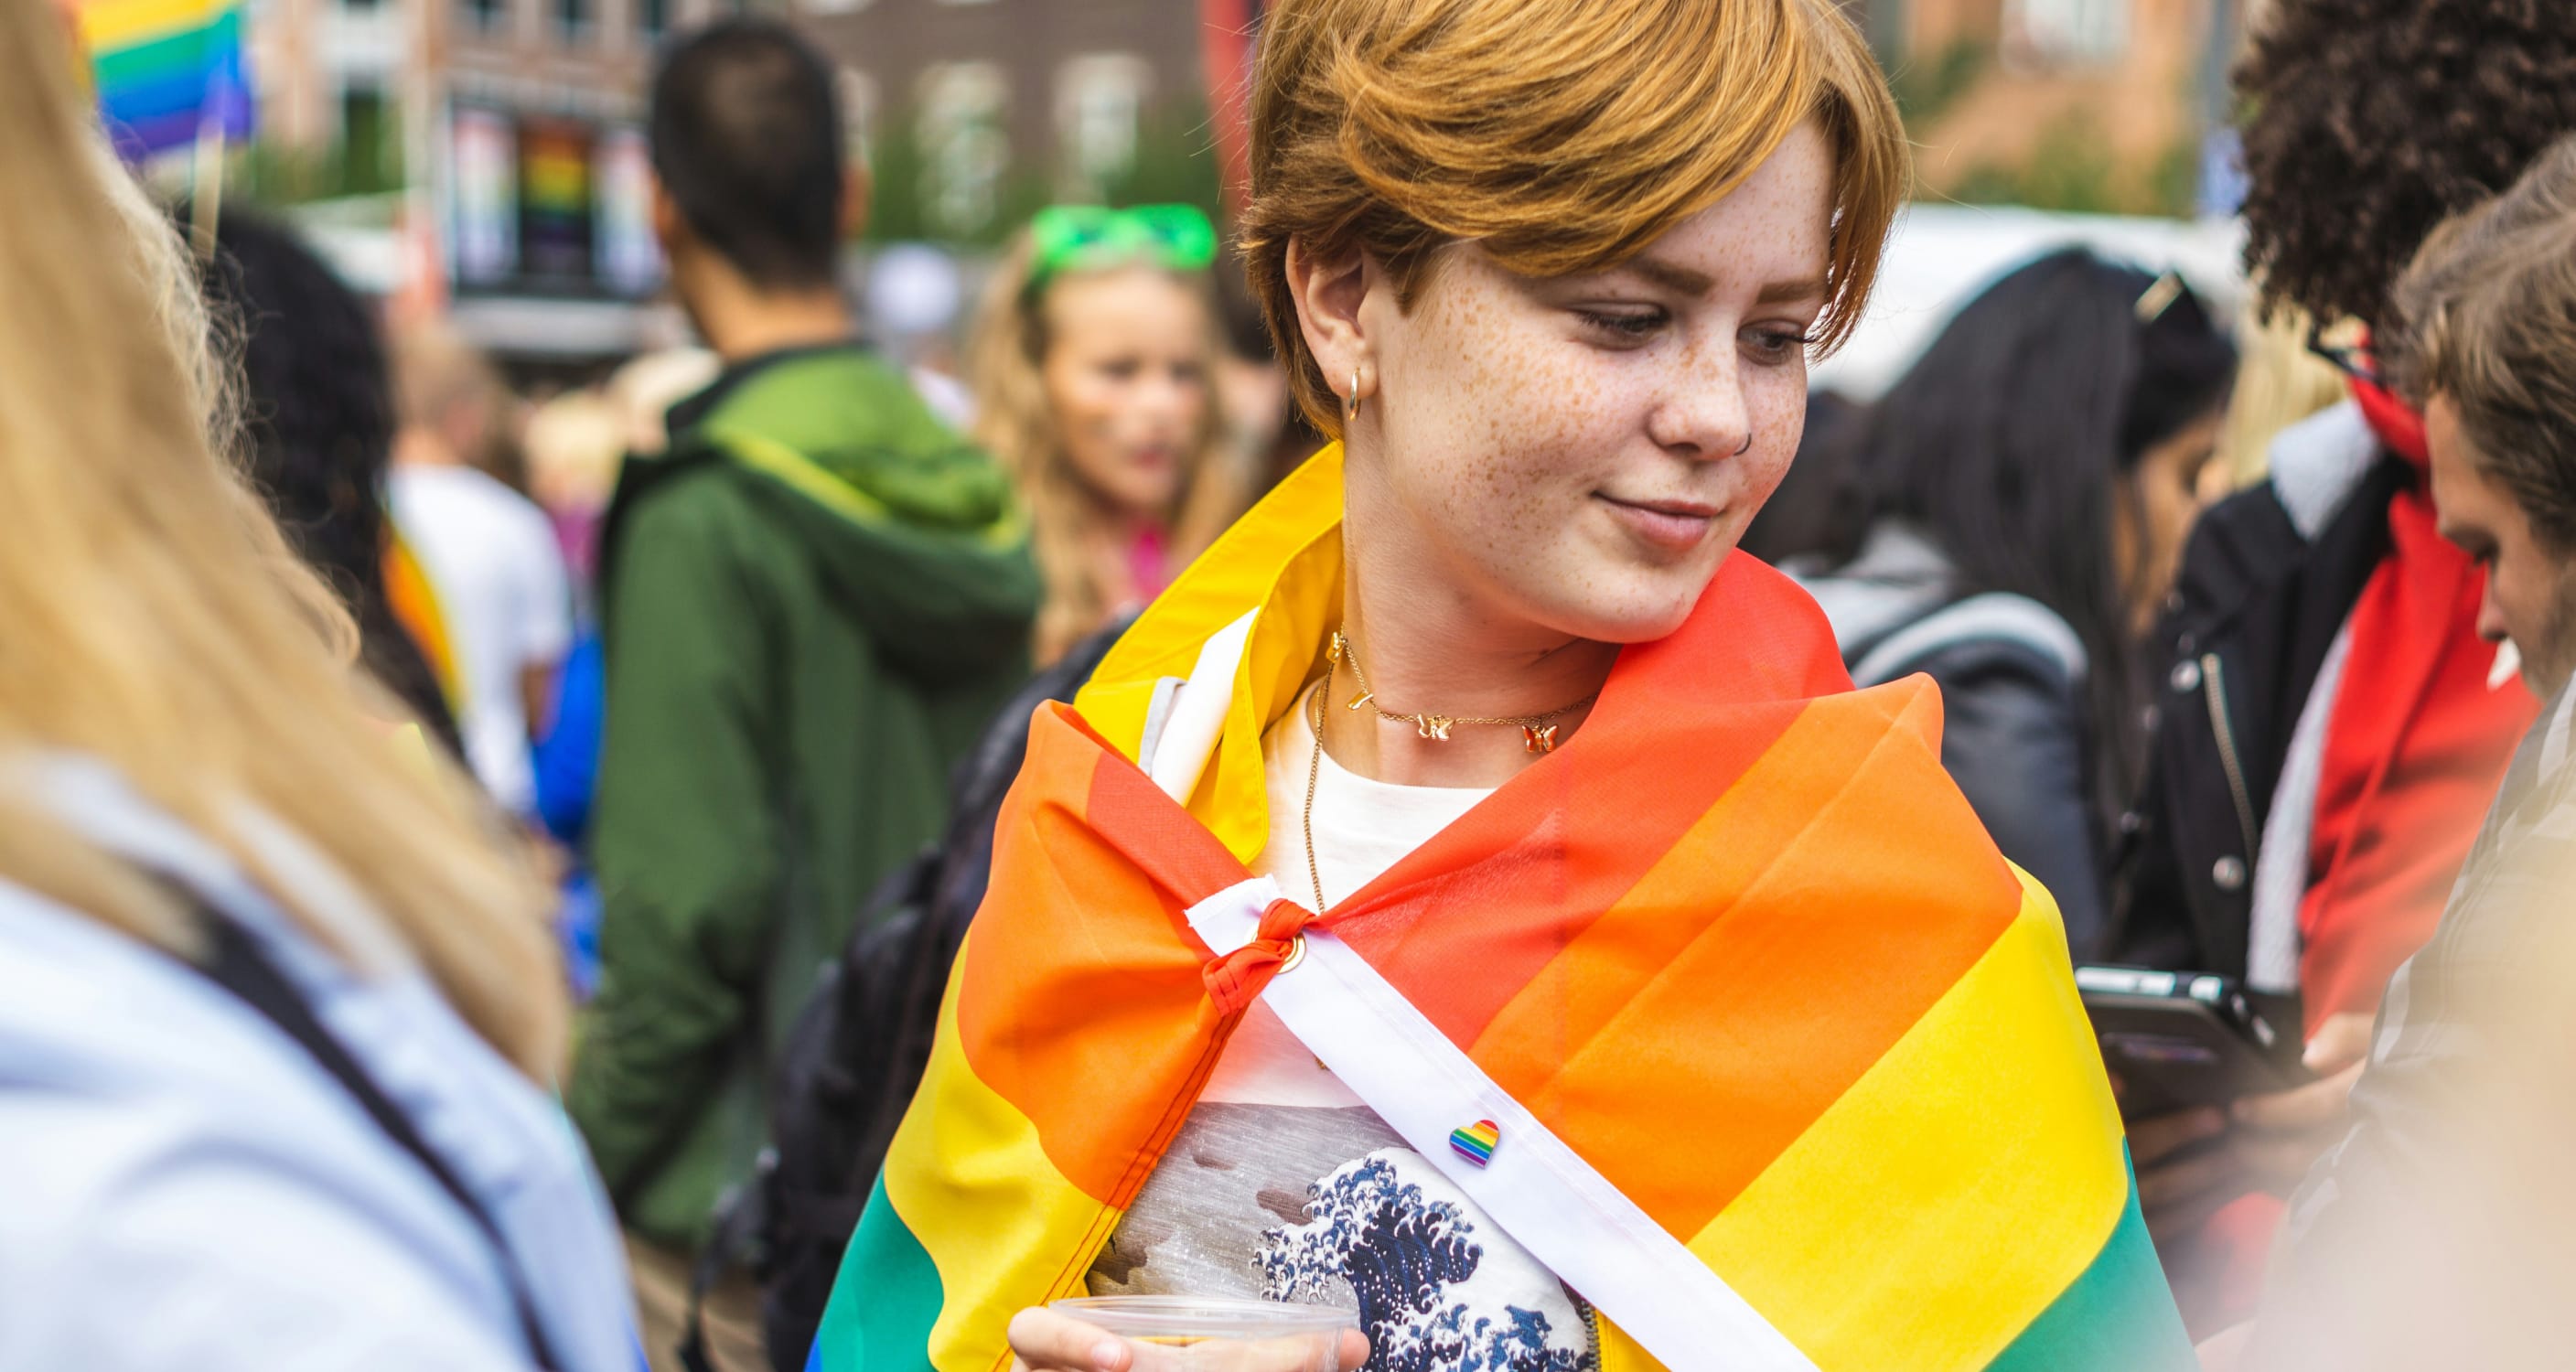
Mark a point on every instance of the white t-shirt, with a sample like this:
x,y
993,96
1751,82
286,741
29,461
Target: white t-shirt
x,y
1284,1185
492,558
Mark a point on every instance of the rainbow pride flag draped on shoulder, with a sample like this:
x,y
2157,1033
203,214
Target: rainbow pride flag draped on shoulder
x,y
1740,943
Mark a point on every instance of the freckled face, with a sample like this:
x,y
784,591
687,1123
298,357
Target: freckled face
x,y
1570,453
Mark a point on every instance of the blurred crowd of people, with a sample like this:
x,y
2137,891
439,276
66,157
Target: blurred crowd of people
x,y
723,641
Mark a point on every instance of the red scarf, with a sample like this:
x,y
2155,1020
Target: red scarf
x,y
2415,749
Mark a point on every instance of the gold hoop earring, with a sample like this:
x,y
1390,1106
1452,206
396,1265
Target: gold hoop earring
x,y
1355,392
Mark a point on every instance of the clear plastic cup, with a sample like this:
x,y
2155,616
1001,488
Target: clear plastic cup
x,y
1217,1334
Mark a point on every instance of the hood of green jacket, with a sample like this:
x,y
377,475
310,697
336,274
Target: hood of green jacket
x,y
913,529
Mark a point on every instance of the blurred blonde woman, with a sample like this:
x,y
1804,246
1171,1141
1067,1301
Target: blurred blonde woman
x,y
1093,369
275,1015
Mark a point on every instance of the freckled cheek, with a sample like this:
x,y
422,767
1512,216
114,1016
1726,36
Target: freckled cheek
x,y
1778,417
1531,405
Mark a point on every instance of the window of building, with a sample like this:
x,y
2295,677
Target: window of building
x,y
1099,100
964,150
858,95
835,6
484,16
2060,31
363,138
572,20
652,19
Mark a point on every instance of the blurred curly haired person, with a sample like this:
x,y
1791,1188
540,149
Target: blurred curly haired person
x,y
2332,726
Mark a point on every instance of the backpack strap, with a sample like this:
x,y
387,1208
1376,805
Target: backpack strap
x,y
236,963
1998,616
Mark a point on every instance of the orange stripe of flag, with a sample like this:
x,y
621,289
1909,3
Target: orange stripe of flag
x,y
1545,855
1081,1000
1763,968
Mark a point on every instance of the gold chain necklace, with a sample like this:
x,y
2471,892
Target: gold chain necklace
x,y
1314,768
1538,732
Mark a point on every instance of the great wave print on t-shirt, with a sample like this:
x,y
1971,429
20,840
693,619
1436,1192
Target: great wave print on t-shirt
x,y
1428,1298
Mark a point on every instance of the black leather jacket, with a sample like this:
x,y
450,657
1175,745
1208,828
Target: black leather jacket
x,y
2014,736
2267,582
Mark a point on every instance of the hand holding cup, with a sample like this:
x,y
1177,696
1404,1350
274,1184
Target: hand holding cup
x,y
1181,1334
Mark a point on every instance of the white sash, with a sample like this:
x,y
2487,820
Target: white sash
x,y
1552,1202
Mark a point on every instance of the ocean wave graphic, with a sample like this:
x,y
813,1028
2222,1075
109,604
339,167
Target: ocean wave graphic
x,y
1433,1296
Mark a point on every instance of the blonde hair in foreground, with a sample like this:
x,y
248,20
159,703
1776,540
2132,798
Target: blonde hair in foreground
x,y
1562,135
1014,422
157,621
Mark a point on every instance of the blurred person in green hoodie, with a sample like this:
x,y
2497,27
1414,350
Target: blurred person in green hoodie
x,y
811,603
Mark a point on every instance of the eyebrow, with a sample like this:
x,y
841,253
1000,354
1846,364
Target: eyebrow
x,y
1673,277
2469,538
1782,292
1688,281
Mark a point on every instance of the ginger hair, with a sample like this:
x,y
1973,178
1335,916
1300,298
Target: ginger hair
x,y
1563,136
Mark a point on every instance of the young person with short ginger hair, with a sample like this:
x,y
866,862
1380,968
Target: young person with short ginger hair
x,y
1472,892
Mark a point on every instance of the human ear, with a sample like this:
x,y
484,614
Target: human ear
x,y
670,228
1329,296
856,185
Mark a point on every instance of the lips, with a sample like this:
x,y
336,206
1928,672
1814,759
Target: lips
x,y
1671,525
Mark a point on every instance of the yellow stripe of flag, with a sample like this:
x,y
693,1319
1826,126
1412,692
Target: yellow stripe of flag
x,y
1861,1244
106,25
985,1203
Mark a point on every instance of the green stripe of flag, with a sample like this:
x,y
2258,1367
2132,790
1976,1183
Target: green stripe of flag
x,y
2118,1315
885,1302
175,54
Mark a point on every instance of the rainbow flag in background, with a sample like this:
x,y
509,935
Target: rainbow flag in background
x,y
166,70
1740,943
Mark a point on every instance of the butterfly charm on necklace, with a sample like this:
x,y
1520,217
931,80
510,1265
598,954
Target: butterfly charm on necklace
x,y
1432,726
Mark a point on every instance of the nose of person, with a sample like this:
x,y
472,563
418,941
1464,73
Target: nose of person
x,y
1162,398
1703,417
2491,622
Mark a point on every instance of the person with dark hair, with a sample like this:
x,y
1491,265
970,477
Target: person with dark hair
x,y
319,435
2012,512
2331,724
747,151
809,602
1813,501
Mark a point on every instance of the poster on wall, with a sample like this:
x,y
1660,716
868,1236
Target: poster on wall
x,y
549,205
555,204
630,261
486,196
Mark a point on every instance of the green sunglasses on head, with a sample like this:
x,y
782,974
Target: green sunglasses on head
x,y
1078,237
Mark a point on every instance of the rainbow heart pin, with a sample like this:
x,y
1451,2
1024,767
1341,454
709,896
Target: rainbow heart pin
x,y
1475,1142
